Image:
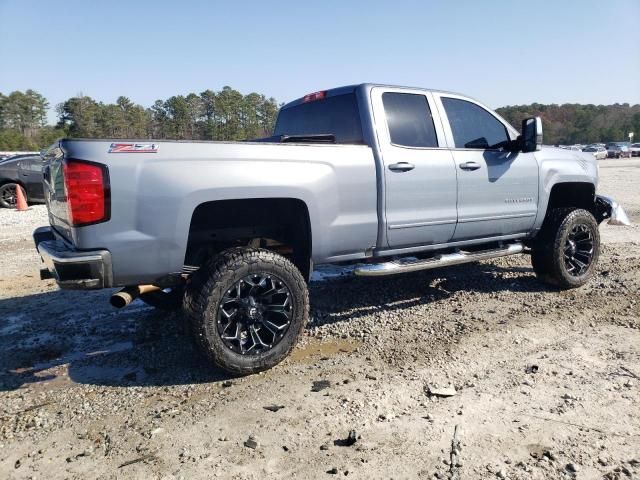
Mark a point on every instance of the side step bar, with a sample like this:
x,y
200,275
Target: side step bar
x,y
444,260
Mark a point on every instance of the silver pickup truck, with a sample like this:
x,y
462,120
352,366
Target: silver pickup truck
x,y
394,179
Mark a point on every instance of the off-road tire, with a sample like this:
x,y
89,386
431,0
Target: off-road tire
x,y
547,256
205,291
170,300
10,189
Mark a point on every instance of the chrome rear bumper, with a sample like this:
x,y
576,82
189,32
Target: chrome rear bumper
x,y
72,269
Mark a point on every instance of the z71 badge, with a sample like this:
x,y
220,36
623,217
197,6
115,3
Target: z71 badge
x,y
133,148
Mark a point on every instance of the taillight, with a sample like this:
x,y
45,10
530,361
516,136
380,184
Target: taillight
x,y
87,189
314,96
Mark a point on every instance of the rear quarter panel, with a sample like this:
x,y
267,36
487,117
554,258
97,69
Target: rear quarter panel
x,y
154,195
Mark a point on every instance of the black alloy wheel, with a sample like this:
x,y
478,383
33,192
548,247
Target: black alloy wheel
x,y
578,250
9,195
254,314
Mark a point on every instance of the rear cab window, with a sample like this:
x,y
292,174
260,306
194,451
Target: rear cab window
x,y
336,115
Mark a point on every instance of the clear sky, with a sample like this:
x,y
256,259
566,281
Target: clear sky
x,y
502,52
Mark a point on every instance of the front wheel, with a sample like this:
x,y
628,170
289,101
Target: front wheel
x,y
247,309
567,249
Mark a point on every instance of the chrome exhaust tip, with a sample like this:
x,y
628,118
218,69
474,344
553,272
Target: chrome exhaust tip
x,y
127,295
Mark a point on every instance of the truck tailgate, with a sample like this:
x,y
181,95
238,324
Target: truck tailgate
x,y
54,192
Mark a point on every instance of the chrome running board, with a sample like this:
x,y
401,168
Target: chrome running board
x,y
405,265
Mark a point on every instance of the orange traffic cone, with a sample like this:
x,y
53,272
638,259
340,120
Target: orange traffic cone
x,y
21,202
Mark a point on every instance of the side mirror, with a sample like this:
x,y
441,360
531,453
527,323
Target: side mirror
x,y
531,134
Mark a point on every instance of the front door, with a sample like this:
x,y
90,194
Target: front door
x,y
497,189
419,172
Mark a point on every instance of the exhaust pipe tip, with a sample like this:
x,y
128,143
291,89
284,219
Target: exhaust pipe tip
x,y
122,298
128,294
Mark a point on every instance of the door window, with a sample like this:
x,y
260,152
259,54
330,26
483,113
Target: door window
x,y
409,120
472,126
35,165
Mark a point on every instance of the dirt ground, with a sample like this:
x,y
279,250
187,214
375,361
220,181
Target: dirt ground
x,y
547,383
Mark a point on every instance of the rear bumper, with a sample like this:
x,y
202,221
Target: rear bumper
x,y
72,269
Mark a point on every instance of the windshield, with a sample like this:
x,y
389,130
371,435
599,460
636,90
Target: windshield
x,y
337,115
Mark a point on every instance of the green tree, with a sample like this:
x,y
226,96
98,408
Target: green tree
x,y
177,110
210,128
25,112
79,116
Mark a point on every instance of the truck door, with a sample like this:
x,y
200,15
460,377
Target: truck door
x,y
30,172
419,172
497,189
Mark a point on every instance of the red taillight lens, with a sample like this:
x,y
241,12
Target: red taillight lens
x,y
314,96
87,187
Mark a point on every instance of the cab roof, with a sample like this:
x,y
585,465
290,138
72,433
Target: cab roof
x,y
364,86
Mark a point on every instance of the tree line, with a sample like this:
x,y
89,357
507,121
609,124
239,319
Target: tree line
x,y
574,123
223,115
229,115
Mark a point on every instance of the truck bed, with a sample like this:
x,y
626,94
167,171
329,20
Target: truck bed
x,y
154,192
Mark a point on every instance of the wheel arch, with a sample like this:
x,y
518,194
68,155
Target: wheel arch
x,y
280,224
578,194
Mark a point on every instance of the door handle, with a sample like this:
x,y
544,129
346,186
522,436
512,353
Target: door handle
x,y
470,166
401,167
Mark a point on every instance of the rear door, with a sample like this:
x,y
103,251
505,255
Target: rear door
x,y
419,173
30,171
497,189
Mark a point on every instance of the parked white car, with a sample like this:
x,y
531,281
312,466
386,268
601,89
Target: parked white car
x,y
599,152
635,149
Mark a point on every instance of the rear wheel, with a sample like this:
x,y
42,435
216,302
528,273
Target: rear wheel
x,y
567,248
8,195
247,309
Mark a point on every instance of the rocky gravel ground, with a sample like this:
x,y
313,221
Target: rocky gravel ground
x,y
540,384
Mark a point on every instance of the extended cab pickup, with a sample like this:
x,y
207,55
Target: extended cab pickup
x,y
405,178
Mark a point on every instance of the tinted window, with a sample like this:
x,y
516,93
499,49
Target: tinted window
x,y
472,126
337,115
409,119
33,163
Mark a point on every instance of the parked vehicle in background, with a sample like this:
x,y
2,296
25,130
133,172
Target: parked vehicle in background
x,y
599,152
618,150
399,179
21,171
635,149
6,155
574,148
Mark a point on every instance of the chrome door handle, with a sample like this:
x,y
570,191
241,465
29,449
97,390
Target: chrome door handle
x,y
401,167
470,166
